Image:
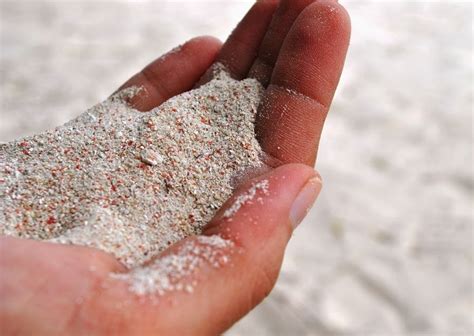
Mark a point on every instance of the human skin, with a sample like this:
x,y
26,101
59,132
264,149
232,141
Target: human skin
x,y
296,48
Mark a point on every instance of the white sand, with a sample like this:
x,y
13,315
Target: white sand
x,y
174,271
132,183
246,197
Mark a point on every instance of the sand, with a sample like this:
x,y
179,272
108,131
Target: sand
x,y
132,183
173,272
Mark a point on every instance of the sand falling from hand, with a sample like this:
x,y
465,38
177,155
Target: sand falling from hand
x,y
127,182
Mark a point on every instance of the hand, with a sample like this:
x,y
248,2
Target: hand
x,y
49,289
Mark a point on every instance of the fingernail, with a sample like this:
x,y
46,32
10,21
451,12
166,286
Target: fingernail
x,y
305,199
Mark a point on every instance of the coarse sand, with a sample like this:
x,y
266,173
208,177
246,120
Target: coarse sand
x,y
133,183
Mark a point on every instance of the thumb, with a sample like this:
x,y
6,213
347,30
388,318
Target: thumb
x,y
236,260
260,219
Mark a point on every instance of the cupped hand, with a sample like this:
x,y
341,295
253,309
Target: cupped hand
x,y
296,49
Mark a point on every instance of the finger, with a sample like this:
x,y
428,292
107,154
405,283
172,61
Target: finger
x,y
234,265
282,21
43,283
173,73
292,114
240,49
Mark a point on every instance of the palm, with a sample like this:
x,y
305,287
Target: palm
x,y
54,289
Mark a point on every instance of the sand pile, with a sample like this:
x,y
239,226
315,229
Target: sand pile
x,y
127,182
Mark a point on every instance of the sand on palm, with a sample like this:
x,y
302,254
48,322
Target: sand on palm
x,y
127,182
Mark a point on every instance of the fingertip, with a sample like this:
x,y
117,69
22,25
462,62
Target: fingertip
x,y
262,205
337,15
208,43
174,72
330,18
246,38
281,23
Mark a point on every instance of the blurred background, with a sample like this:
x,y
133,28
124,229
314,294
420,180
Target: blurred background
x,y
388,249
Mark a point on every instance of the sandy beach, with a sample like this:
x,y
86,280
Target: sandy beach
x,y
388,248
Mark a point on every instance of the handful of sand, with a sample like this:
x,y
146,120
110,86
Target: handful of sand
x,y
127,182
